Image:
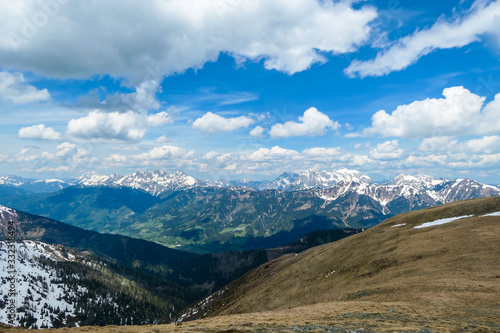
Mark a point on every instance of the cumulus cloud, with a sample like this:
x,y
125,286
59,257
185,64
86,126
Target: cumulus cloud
x,y
360,161
14,88
324,152
164,152
161,139
425,161
487,144
142,100
159,119
460,112
312,123
64,149
115,159
388,150
99,126
39,132
166,37
480,20
275,152
257,132
121,126
483,145
66,156
439,143
211,123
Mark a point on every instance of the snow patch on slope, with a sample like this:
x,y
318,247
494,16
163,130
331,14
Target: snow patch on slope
x,y
442,221
6,213
35,284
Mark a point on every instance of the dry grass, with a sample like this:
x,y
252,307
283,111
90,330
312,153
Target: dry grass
x,y
326,317
387,279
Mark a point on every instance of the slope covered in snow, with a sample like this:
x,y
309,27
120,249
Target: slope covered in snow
x,y
51,286
7,213
39,295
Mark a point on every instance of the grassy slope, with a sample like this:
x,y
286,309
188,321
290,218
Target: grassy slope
x,y
454,264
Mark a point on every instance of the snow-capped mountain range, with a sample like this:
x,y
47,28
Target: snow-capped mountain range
x,y
154,182
328,185
34,185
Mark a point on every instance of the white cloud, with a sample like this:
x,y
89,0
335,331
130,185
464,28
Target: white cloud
x,y
15,89
324,152
61,168
425,161
484,145
39,132
83,156
388,150
161,139
275,152
66,156
211,123
115,159
312,123
257,132
481,20
64,149
159,119
126,126
144,39
460,112
360,161
99,126
211,155
323,155
142,100
440,143
164,152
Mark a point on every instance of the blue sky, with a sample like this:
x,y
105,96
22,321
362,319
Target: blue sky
x,y
250,89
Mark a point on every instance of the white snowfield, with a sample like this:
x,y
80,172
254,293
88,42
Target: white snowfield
x,y
442,221
450,219
6,212
493,214
34,286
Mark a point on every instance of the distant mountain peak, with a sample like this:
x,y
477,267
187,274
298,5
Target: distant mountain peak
x,y
423,180
318,179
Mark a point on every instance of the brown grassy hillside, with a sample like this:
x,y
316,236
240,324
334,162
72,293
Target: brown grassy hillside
x,y
443,278
457,263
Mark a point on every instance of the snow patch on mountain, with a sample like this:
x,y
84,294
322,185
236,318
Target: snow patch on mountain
x,y
7,213
38,292
442,221
493,214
